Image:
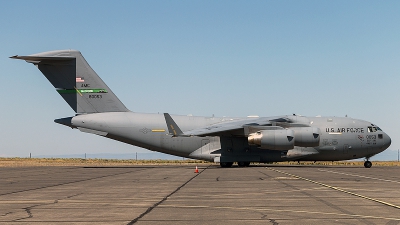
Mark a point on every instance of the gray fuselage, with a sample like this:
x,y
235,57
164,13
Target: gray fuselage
x,y
341,138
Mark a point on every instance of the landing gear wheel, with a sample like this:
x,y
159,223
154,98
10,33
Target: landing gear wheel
x,y
367,164
243,164
226,164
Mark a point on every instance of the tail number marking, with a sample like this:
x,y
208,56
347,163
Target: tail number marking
x,y
95,96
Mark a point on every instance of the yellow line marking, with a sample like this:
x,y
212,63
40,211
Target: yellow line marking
x,y
172,127
282,211
78,91
355,175
286,178
338,189
158,130
247,194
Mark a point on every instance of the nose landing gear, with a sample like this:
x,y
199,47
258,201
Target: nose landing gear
x,y
367,164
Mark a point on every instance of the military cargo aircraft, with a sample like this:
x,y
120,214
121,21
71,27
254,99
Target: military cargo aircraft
x,y
217,139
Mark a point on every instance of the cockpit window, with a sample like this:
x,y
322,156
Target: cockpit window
x,y
373,129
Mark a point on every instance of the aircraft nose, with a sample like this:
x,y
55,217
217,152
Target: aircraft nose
x,y
386,141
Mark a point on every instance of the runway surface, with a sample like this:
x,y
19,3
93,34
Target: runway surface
x,y
176,195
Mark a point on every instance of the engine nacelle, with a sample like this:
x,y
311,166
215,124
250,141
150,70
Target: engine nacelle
x,y
306,136
273,139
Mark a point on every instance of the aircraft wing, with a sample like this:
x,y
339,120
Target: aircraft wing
x,y
218,129
231,127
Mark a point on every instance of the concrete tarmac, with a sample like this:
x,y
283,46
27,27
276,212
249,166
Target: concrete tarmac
x,y
265,194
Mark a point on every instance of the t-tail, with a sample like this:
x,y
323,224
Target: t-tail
x,y
76,81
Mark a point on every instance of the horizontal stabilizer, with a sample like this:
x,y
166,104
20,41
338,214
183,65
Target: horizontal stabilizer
x,y
65,121
37,59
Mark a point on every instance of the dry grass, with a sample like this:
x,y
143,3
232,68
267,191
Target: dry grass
x,y
19,162
342,163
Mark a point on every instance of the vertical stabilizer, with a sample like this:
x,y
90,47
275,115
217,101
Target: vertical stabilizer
x,y
76,81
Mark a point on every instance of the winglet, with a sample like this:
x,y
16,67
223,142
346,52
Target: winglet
x,y
172,126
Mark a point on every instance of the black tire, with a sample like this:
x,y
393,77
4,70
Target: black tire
x,y
226,164
241,164
367,164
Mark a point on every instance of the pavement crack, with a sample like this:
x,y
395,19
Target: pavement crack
x,y
165,198
273,222
310,195
5,214
71,182
28,210
71,196
265,217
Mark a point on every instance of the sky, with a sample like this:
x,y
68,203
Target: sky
x,y
222,58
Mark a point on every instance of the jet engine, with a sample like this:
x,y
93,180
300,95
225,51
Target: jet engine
x,y
273,139
306,136
285,139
